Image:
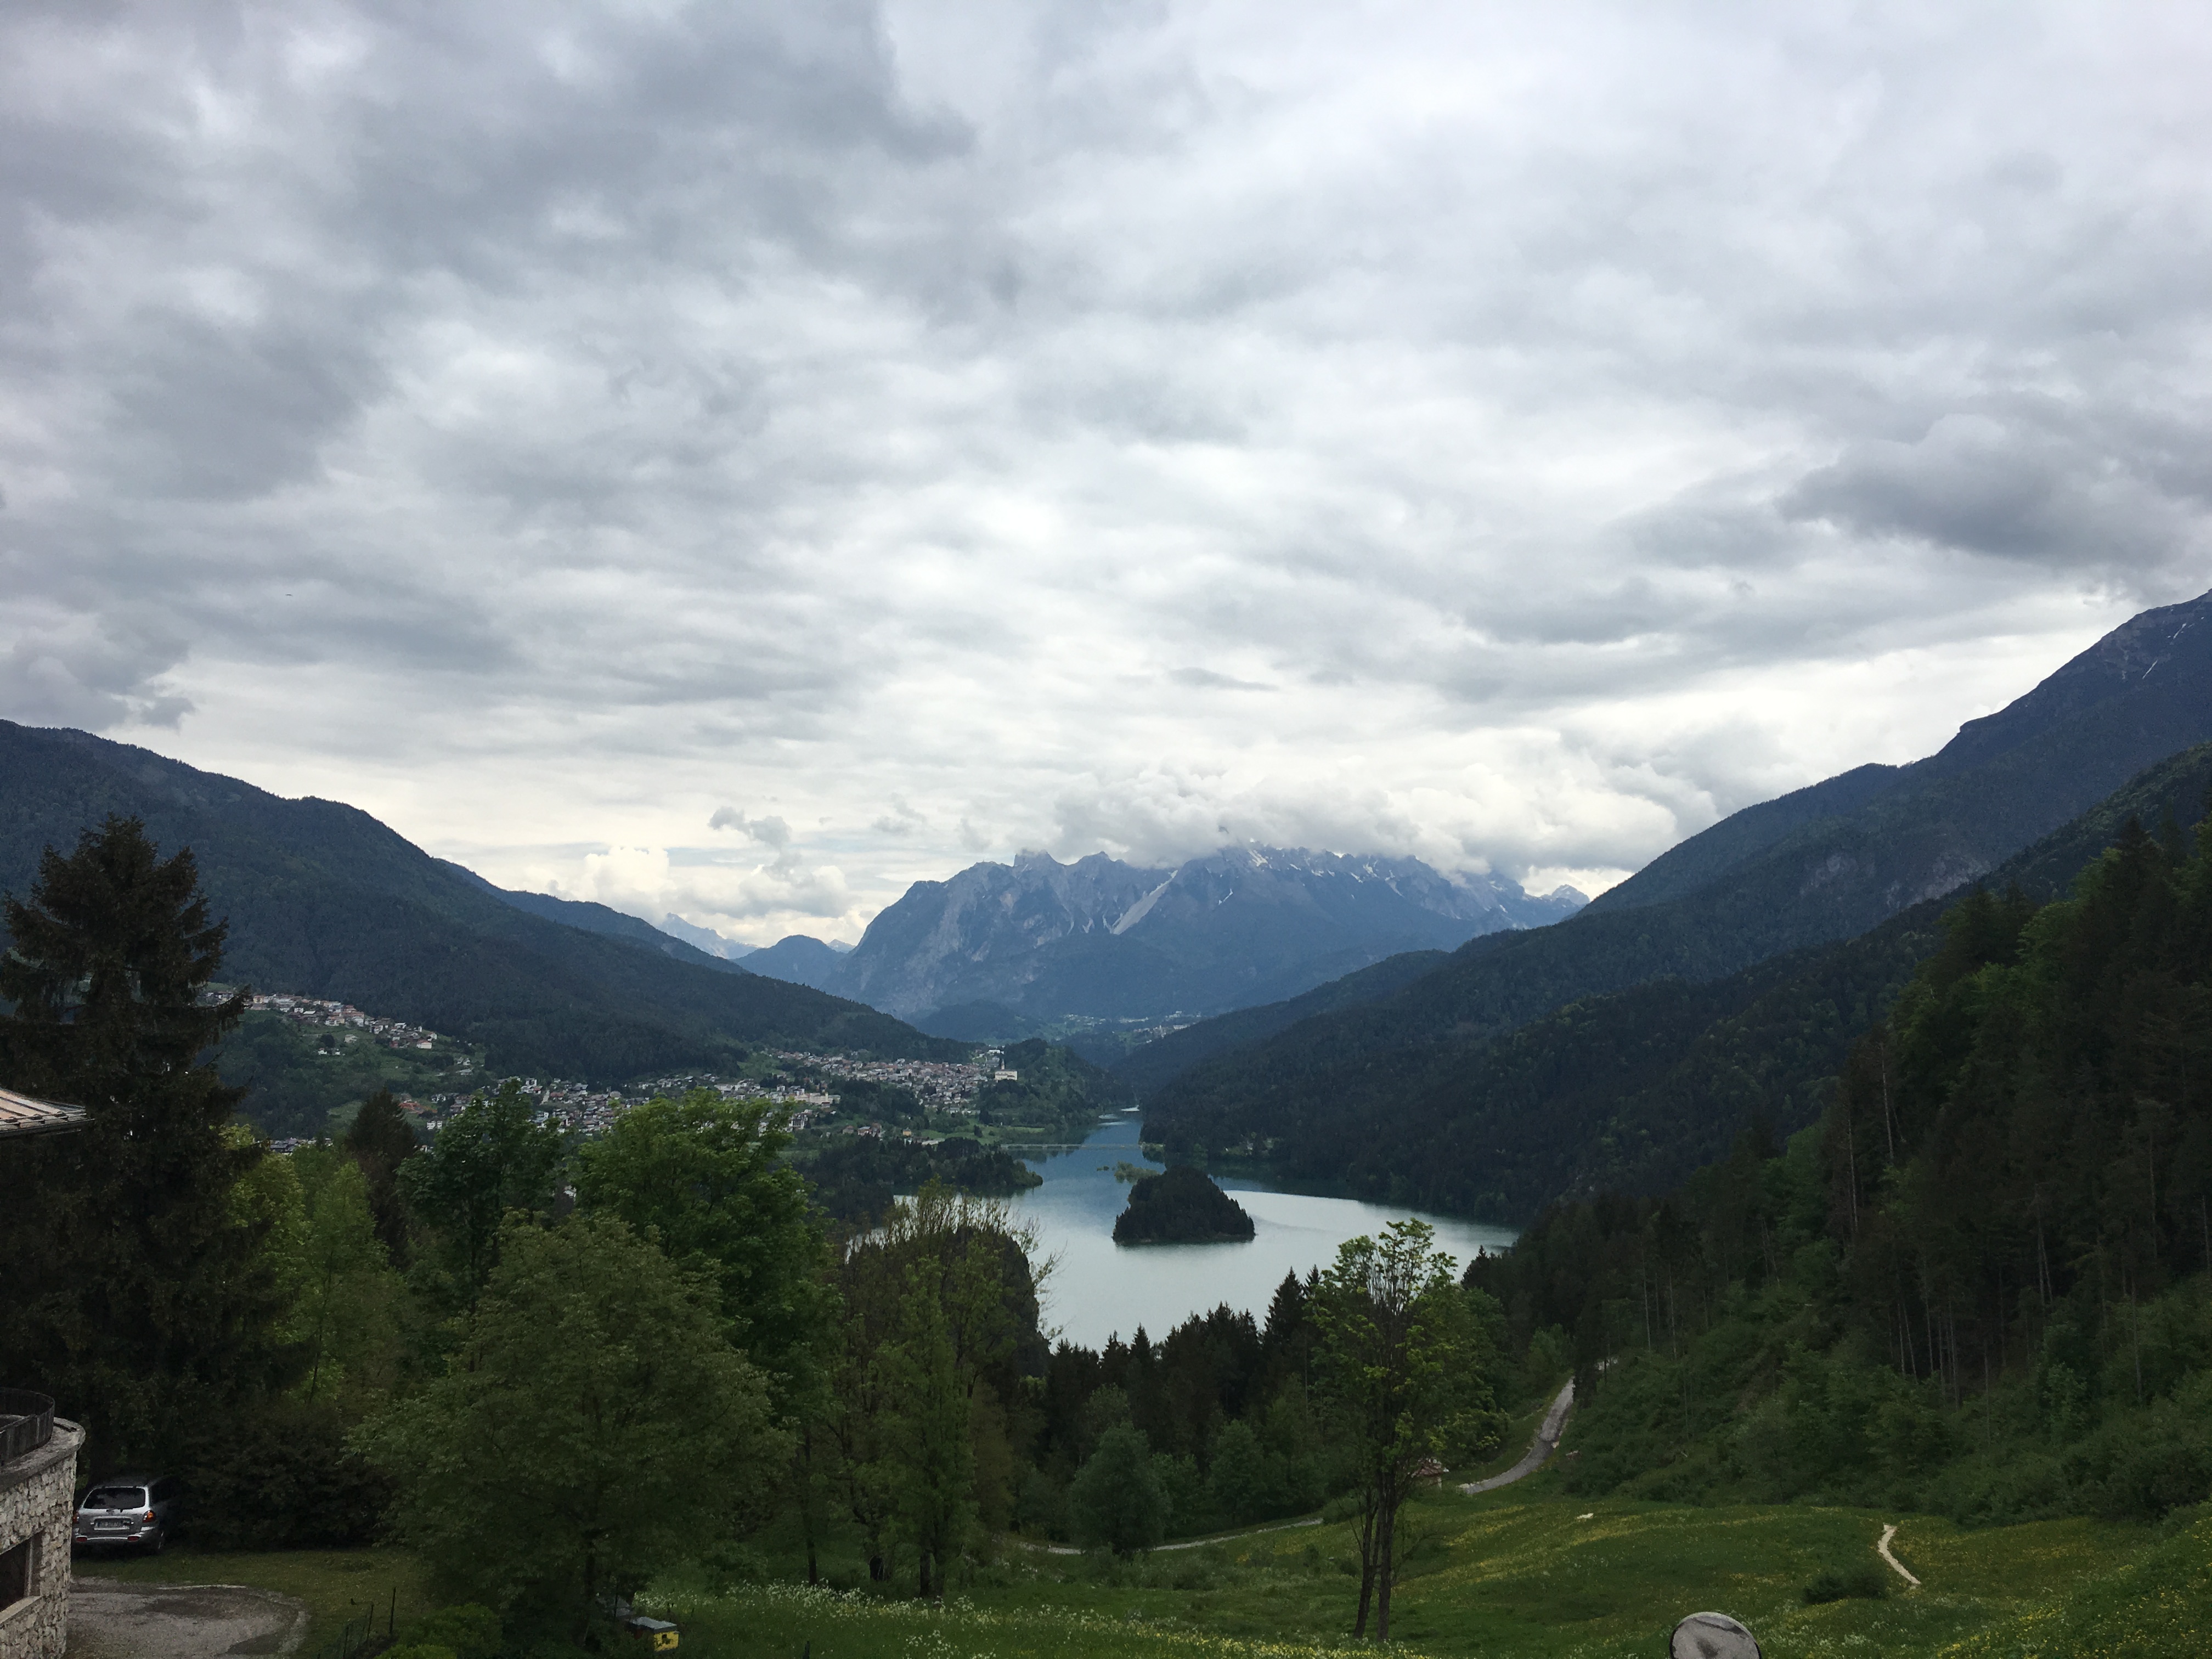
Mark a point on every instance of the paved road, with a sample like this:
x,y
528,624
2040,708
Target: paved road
x,y
1539,1449
112,1619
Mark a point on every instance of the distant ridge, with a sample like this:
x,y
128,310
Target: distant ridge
x,y
800,959
705,939
597,919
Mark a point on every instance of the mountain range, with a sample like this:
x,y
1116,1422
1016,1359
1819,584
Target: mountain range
x,y
1368,1021
1822,865
323,900
1000,948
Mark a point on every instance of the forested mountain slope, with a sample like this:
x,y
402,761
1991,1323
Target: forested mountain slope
x,y
324,899
1167,1057
1828,863
1982,1285
1634,1090
2142,692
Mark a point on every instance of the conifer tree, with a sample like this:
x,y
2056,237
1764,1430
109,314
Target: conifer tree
x,y
139,1296
380,1141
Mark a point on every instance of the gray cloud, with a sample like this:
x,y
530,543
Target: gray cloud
x,y
1205,679
770,832
69,668
544,427
2015,489
901,820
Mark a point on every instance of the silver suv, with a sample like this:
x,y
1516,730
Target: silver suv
x,y
130,1508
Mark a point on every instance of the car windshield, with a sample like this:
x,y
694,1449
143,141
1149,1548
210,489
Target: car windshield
x,y
117,1497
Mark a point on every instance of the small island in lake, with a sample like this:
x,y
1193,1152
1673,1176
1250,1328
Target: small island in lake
x,y
1180,1206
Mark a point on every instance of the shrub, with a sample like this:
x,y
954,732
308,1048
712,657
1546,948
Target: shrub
x,y
1868,1579
1040,1506
278,1475
470,1631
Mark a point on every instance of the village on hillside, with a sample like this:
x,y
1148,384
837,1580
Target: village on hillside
x,y
801,1083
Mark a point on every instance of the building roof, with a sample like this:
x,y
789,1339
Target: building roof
x,y
20,1115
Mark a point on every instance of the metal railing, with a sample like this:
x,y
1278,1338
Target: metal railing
x,y
26,1423
352,1637
358,1633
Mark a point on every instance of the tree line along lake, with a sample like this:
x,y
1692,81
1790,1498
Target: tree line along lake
x,y
1097,1289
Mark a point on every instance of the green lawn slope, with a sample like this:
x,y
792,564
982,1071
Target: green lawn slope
x,y
1525,1571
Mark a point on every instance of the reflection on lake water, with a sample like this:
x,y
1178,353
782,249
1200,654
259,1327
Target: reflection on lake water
x,y
1099,1288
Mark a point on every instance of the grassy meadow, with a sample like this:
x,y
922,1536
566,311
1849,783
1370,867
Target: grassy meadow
x,y
1524,1572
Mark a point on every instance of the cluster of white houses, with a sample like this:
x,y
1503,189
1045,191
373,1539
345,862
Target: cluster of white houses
x,y
940,1085
343,1016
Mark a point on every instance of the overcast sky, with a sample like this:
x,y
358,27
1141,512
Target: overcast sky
x,y
739,459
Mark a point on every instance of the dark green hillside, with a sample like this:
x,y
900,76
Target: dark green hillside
x,y
856,1176
1055,1088
1180,1206
1800,871
979,1022
323,900
1699,862
1982,1285
1168,1057
294,1077
1631,1091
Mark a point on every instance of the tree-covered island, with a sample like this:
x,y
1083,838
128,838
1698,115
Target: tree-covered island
x,y
1180,1206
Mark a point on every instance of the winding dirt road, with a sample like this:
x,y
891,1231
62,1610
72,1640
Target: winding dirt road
x,y
1539,1449
1539,1453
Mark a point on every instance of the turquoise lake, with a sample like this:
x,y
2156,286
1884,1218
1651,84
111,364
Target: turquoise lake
x,y
1098,1289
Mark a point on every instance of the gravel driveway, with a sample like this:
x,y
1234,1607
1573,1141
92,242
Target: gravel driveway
x,y
109,1619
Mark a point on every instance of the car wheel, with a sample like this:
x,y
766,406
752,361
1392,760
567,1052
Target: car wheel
x,y
154,1544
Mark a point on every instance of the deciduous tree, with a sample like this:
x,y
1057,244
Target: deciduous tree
x,y
941,1260
1117,1499
1400,1376
595,1428
703,1173
493,1155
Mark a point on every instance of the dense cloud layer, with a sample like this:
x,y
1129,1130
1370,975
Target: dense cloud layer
x,y
738,459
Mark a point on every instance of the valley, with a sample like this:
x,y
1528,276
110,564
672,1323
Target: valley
x,y
1851,1161
1179,831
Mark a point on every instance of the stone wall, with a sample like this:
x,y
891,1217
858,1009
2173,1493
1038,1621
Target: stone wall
x,y
37,1498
